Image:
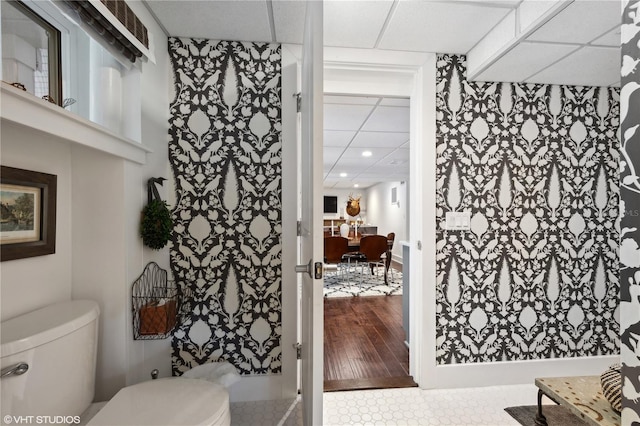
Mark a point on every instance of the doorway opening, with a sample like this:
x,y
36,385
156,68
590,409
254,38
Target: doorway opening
x,y
366,152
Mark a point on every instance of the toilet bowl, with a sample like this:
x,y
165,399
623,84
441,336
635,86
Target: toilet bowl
x,y
48,361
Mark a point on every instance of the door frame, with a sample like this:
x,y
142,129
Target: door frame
x,y
413,75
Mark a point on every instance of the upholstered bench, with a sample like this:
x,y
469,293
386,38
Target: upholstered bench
x,y
582,395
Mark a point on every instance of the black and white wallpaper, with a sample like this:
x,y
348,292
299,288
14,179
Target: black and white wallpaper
x,y
225,154
537,166
630,208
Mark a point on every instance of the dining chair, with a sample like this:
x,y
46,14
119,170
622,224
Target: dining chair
x,y
391,237
334,248
373,247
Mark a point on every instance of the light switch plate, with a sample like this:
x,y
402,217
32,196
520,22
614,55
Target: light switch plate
x,y
457,221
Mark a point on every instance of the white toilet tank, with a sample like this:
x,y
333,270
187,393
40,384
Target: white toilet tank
x,y
59,345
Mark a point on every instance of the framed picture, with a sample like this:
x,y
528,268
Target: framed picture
x,y
27,213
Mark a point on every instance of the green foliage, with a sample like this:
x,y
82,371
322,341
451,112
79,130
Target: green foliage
x,y
156,224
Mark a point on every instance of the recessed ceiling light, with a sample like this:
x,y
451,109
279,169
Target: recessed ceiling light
x,y
367,153
356,185
343,174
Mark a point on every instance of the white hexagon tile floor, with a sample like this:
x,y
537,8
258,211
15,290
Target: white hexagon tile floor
x,y
410,406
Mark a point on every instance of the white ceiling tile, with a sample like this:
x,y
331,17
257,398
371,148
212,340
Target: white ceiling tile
x,y
288,18
379,140
524,60
331,155
402,102
335,175
345,117
352,100
388,119
232,20
342,30
345,185
356,154
580,22
400,154
589,66
446,27
338,138
611,39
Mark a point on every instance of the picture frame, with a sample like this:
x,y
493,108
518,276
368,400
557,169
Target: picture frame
x,y
27,213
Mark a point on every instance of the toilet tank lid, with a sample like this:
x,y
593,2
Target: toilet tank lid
x,y
44,325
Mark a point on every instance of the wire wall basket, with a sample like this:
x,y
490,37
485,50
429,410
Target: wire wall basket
x,y
155,304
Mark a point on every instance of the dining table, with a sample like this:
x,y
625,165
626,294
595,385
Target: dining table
x,y
354,246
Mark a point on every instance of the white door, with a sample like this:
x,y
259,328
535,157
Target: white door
x,y
311,250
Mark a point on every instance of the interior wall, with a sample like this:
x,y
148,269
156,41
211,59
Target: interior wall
x,y
32,283
155,86
536,276
98,250
343,197
98,257
630,209
225,151
389,217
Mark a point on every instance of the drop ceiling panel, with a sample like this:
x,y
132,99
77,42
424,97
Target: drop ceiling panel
x,y
611,39
439,27
589,66
345,185
341,30
400,154
379,140
331,155
401,102
231,20
338,138
288,18
345,117
353,100
524,60
581,22
388,119
356,154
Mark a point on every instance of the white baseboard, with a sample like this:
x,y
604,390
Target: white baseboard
x,y
260,388
515,372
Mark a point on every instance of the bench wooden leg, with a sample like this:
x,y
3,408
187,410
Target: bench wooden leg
x,y
541,420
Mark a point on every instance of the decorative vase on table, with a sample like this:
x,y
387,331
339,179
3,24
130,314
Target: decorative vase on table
x,y
344,230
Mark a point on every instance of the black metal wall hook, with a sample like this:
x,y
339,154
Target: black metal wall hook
x,y
152,190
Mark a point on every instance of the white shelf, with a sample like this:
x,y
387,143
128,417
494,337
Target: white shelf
x,y
20,107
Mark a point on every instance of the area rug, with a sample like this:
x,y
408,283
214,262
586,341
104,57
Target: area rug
x,y
344,283
556,415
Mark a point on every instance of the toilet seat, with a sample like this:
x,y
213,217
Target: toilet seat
x,y
169,401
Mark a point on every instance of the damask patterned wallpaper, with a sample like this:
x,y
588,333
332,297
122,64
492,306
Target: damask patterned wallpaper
x,y
630,208
225,154
537,166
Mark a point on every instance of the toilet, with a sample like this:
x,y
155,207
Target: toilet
x,y
48,362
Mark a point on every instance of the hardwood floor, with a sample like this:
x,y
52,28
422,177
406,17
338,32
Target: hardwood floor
x,y
364,344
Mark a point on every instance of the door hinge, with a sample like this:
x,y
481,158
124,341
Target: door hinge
x,y
298,97
299,228
298,348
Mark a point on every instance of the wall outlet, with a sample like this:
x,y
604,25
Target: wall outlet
x,y
458,221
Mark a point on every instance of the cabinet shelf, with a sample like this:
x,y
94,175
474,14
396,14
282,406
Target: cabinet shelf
x,y
25,109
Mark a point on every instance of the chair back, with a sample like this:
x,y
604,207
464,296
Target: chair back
x,y
373,246
334,248
391,237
